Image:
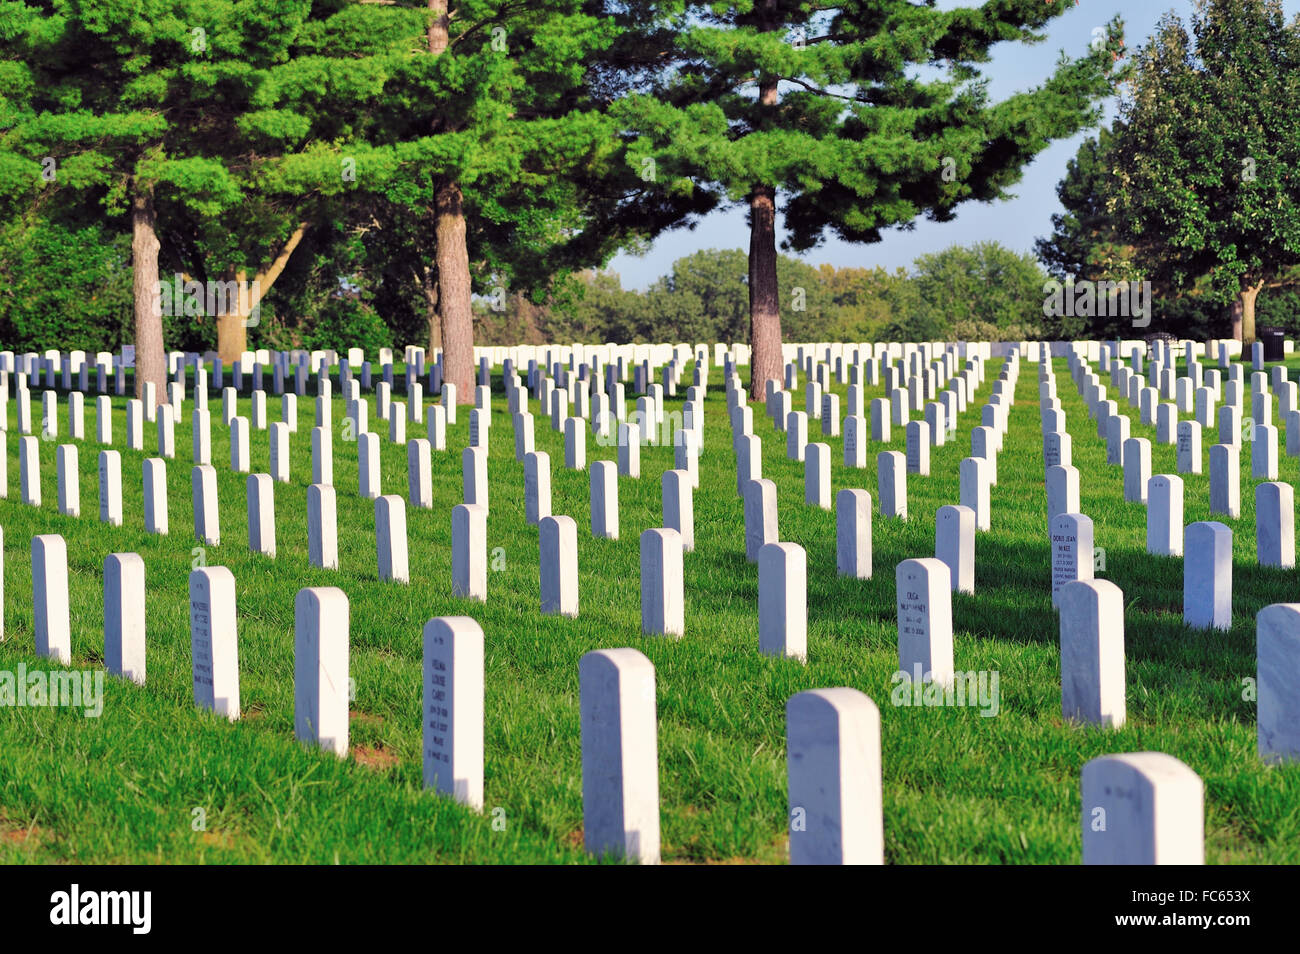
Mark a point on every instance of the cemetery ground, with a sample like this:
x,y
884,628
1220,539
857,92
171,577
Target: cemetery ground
x,y
153,779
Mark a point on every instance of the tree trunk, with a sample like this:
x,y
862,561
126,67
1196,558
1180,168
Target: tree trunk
x,y
150,356
430,289
764,296
765,358
232,336
1246,305
454,292
232,326
439,26
452,253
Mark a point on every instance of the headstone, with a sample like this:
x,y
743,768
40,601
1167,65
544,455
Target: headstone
x,y
629,450
604,499
52,624
104,420
201,435
983,444
817,475
69,478
322,527
1207,576
368,473
662,586
110,488
620,761
853,534
1189,447
855,441
918,448
833,761
279,448
749,461
155,496
322,457
320,668
1263,453
1117,432
1151,809
474,475
390,539
537,487
679,506
29,470
796,435
760,517
880,421
436,427
214,648
166,431
289,412
203,496
974,490
1165,515
891,489
954,545
1072,551
783,600
134,425
124,629
558,543
524,435
1062,491
1225,480
1058,450
261,514
419,477
924,599
1277,655
1137,469
1275,525
239,452
469,557
453,708
1092,652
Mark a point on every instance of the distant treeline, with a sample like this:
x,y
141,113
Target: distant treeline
x,y
67,288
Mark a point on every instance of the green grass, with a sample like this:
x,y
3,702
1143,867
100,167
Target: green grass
x,y
958,787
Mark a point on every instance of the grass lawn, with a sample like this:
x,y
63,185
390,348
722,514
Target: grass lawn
x,y
154,780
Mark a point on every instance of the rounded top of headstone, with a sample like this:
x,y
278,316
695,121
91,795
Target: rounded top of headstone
x,y
839,700
924,567
325,599
625,661
1154,767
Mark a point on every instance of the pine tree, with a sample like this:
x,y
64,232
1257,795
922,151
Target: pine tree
x,y
831,108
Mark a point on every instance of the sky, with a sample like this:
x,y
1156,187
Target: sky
x,y
1014,222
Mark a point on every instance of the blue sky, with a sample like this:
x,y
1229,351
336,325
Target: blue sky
x,y
1013,222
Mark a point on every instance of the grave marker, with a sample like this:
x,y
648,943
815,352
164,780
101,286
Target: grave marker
x,y
124,619
214,649
620,760
1092,653
833,770
320,668
453,708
